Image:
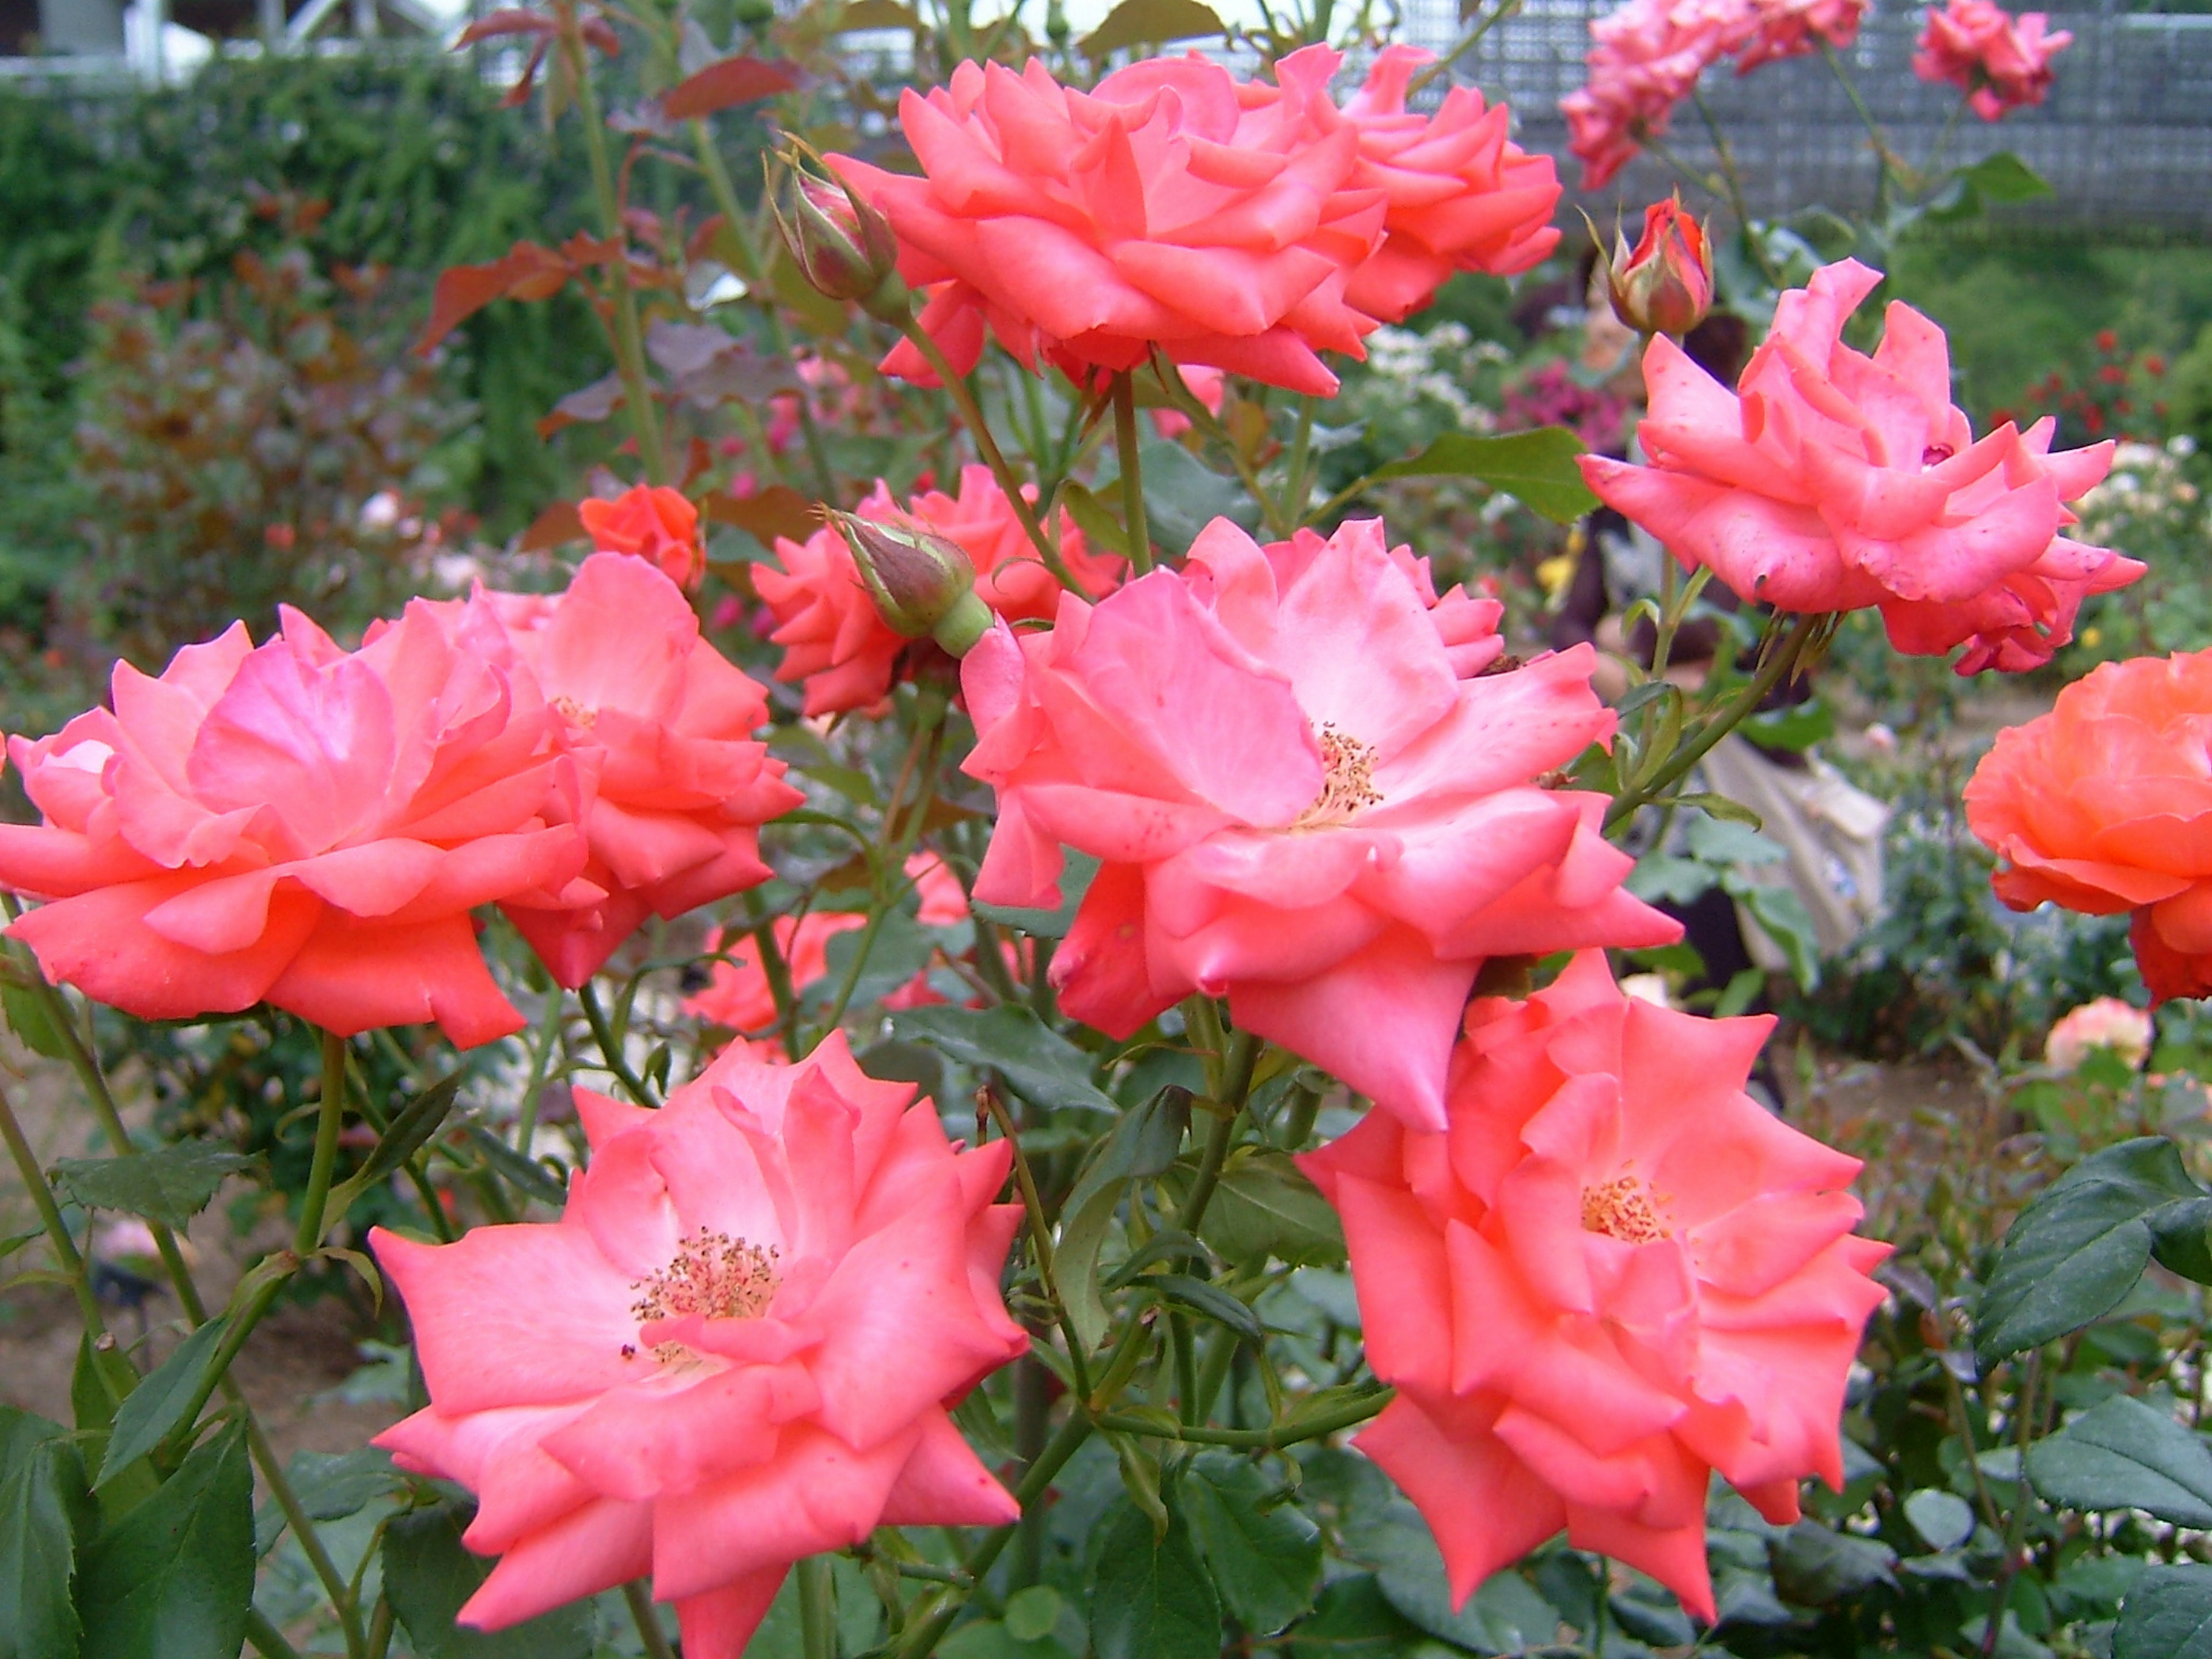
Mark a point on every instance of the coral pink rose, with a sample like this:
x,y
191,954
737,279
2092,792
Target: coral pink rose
x,y
1611,1274
738,993
1170,205
834,638
1835,481
1461,195
2000,61
297,824
1209,385
661,725
651,522
1795,28
2101,1023
734,1349
1299,801
2103,806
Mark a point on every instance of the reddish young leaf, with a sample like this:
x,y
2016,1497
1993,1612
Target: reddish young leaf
x,y
778,510
528,272
556,525
739,80
508,21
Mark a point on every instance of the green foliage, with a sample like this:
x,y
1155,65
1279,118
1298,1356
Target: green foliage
x,y
170,1184
173,1577
428,1573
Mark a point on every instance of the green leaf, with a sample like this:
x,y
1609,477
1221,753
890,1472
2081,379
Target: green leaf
x,y
410,1127
171,1184
1813,1565
2181,1233
1782,915
2073,1253
901,948
1943,1519
2005,178
1354,1619
1032,1613
1095,519
1151,23
1144,1143
1150,1598
1798,726
43,1508
102,1381
1208,1300
1038,1064
1537,468
1075,879
1716,841
155,1409
1505,1614
428,1574
174,1577
1660,876
26,1019
526,1174
2167,1614
330,1485
1265,1208
2125,1454
1265,1554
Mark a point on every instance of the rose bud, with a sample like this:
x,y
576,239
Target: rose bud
x,y
922,583
1665,286
841,243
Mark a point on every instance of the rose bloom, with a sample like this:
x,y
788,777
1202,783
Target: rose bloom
x,y
1611,1273
1796,28
834,638
1833,481
297,824
661,725
735,1349
2101,1023
2101,805
1170,205
1644,57
738,993
2002,62
651,522
1299,801
1461,195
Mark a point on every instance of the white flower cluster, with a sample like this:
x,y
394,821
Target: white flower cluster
x,y
1436,365
2148,481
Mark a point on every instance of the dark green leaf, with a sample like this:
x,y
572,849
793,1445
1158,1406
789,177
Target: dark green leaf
x,y
155,1409
1144,1143
527,1175
42,1511
1094,518
1813,1565
1038,1064
411,1127
2005,178
901,948
27,1017
428,1574
1264,1208
1151,23
2125,1454
329,1486
171,1184
1355,1620
1150,1598
1798,726
1943,1519
2167,1614
1210,1300
102,1380
1265,1555
2074,1252
1505,1614
1075,880
2181,1233
174,1577
1182,496
1535,468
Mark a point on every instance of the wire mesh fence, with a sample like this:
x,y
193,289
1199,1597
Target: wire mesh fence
x,y
2124,138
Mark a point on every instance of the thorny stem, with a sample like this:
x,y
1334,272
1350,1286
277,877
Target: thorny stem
x,y
1726,156
638,1597
1040,1235
1858,104
533,1089
1132,477
1235,1086
2016,1530
777,972
1295,485
50,1217
611,1048
818,1613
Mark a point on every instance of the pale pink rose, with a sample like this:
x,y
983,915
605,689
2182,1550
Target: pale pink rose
x,y
2103,1023
1833,481
1299,801
660,725
1462,196
2002,62
737,994
297,824
1612,1274
1171,206
834,638
735,1349
1796,28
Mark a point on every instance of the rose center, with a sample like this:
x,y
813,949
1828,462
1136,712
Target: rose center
x,y
1622,1208
1347,781
575,713
713,1275
1936,454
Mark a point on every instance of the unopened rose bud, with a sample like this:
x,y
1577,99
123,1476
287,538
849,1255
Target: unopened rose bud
x,y
922,583
840,243
1665,285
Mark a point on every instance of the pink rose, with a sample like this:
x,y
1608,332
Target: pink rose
x,y
2002,62
1299,802
1796,28
297,824
733,1350
1833,481
738,993
1461,195
1611,1273
2101,1023
651,522
1170,205
833,637
661,725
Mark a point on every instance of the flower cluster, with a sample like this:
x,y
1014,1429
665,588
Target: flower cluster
x,y
1237,224
2000,61
1646,56
1832,480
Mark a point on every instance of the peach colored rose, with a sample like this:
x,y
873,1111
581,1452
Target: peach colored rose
x,y
2105,805
651,522
1833,481
2101,1023
1299,801
734,1349
833,637
1461,195
298,824
1612,1274
1170,206
2000,62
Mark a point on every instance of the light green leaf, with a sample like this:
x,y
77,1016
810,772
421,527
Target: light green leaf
x,y
155,1409
1943,1519
1537,468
